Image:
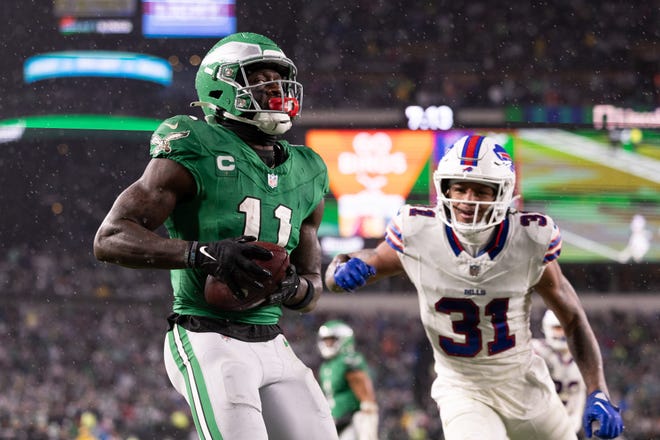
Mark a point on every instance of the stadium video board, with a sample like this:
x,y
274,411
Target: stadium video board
x,y
188,19
95,16
604,195
148,18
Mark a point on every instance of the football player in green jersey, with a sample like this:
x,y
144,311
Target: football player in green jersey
x,y
218,184
346,382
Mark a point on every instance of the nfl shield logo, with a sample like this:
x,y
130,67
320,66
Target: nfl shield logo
x,y
474,270
272,180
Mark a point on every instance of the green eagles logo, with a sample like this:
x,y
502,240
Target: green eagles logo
x,y
162,144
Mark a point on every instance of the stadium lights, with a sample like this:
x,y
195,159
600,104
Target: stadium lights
x,y
13,129
97,63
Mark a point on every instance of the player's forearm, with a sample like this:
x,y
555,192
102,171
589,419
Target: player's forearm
x,y
364,392
585,350
128,244
308,293
307,260
362,386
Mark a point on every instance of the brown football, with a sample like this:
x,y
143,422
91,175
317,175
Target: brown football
x,y
219,295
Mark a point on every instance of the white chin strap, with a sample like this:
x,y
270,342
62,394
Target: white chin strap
x,y
269,123
273,123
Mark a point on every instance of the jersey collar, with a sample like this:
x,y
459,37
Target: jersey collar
x,y
494,246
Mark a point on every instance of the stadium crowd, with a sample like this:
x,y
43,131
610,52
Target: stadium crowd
x,y
421,52
81,342
77,368
534,53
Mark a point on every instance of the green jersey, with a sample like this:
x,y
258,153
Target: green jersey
x,y
237,194
332,375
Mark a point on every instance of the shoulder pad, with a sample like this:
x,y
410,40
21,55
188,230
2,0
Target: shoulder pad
x,y
541,229
173,133
416,217
304,151
409,220
353,361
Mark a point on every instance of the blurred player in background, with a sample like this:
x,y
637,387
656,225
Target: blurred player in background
x,y
639,242
346,382
563,369
218,184
475,262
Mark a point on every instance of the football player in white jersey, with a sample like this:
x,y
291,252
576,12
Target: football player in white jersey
x,y
475,262
565,373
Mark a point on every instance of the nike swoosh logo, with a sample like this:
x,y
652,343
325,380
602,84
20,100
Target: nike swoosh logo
x,y
172,126
601,405
202,250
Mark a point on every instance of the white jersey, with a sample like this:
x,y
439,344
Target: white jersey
x,y
475,310
567,378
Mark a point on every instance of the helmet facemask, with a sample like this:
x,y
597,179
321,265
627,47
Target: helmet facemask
x,y
493,212
490,166
342,339
276,115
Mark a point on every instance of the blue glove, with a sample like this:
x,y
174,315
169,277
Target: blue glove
x,y
599,408
353,274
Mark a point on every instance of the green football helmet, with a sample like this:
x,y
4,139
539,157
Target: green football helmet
x,y
223,89
335,337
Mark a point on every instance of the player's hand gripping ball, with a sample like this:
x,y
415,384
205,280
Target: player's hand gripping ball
x,y
222,297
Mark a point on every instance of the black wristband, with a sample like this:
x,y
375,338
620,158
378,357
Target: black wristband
x,y
309,296
191,254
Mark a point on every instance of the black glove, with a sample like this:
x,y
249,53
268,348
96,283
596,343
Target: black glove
x,y
288,287
230,261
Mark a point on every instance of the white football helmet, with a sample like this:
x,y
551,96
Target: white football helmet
x,y
476,159
342,339
553,331
223,89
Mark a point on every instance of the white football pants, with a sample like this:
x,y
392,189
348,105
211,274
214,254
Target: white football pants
x,y
246,390
523,408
